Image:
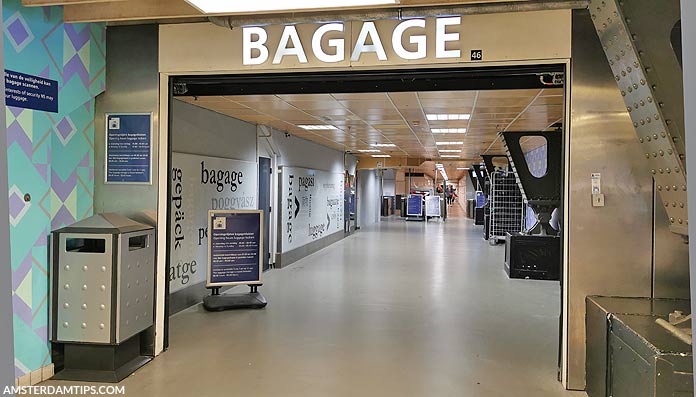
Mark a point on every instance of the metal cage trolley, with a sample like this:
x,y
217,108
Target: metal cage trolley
x,y
507,206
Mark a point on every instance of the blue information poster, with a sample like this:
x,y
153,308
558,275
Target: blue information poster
x,y
30,92
234,247
480,199
414,205
128,148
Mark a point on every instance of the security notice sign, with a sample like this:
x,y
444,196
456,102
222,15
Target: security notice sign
x,y
200,184
128,148
313,205
32,92
234,247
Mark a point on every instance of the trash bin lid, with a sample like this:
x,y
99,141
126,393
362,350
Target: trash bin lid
x,y
107,223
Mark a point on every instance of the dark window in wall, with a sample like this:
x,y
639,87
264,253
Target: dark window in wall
x,y
675,39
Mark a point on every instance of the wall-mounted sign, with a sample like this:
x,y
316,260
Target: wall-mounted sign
x,y
313,205
411,41
432,206
234,247
128,157
477,55
596,183
30,92
414,205
200,184
408,40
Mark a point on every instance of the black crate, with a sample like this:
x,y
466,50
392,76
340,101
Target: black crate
x,y
534,257
478,216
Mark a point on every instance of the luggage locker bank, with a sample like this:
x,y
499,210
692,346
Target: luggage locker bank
x,y
193,91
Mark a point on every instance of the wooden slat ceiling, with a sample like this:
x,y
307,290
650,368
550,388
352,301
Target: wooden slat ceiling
x,y
364,119
142,10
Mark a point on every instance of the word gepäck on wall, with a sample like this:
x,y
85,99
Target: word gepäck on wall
x,y
256,49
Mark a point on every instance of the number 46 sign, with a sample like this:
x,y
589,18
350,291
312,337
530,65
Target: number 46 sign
x,y
477,55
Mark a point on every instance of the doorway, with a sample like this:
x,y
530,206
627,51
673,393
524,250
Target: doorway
x,y
265,205
336,110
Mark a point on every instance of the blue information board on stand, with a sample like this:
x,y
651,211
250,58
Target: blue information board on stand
x,y
414,205
235,247
128,148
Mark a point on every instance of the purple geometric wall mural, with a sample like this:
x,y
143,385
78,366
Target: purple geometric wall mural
x,y
50,156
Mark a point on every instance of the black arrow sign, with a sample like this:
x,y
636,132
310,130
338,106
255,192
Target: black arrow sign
x,y
297,207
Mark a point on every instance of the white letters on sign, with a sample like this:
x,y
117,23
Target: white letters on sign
x,y
442,37
338,44
257,47
418,40
254,39
369,30
290,33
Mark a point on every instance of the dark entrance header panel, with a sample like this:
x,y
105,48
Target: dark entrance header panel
x,y
483,78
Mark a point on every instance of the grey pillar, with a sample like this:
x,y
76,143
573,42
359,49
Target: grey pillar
x,y
689,66
6,335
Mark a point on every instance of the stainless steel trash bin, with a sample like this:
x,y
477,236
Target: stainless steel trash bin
x,y
102,294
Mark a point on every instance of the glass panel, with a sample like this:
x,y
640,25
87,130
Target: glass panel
x,y
536,154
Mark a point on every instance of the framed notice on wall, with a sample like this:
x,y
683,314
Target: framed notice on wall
x,y
235,245
128,156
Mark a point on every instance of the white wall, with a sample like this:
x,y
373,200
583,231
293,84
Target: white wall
x,y
368,198
351,164
389,183
290,151
298,152
204,132
463,191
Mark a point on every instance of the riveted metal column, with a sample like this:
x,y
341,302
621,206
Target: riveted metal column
x,y
688,12
646,98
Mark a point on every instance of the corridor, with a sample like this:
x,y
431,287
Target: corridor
x,y
398,309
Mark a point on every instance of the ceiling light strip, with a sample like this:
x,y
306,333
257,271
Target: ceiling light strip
x,y
448,130
237,6
312,127
447,117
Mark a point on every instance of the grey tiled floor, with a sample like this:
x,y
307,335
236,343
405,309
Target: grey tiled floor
x,y
397,309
